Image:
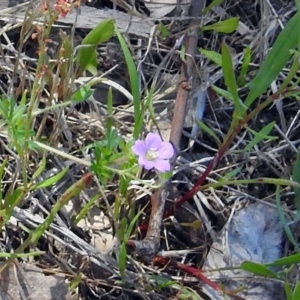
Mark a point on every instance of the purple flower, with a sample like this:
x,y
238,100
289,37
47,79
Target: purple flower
x,y
154,153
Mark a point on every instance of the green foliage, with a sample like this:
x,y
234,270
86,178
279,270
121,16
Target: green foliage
x,y
164,32
264,270
205,128
283,221
135,86
109,120
12,115
124,235
87,56
182,292
296,292
212,55
212,5
288,260
51,180
244,68
82,94
229,76
260,136
276,59
258,269
114,156
230,81
226,26
296,178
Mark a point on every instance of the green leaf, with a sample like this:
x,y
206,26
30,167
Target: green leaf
x,y
134,83
276,59
204,128
52,180
261,135
211,5
229,175
123,252
223,93
212,55
2,168
14,198
74,283
227,26
258,269
288,260
296,292
87,56
288,291
283,221
18,113
296,178
164,32
230,81
298,5
109,120
82,94
244,68
40,169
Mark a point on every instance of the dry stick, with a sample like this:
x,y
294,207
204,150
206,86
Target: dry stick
x,y
148,248
186,76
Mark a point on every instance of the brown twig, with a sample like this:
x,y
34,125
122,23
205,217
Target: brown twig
x,y
187,70
148,248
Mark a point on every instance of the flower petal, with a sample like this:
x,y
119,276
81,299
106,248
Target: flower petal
x,y
139,148
147,164
165,151
153,140
162,165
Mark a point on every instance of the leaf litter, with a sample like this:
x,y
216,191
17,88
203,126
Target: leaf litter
x,y
88,250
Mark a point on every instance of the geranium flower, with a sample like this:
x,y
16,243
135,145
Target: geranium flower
x,y
153,152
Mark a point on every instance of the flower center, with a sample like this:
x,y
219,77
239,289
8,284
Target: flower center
x,y
151,154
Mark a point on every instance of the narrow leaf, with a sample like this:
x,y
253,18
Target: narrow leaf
x,y
244,67
2,168
82,94
51,180
258,269
134,82
230,175
296,292
227,26
40,169
109,120
288,260
213,56
260,136
212,5
296,178
285,226
223,93
230,81
276,59
87,54
209,131
288,291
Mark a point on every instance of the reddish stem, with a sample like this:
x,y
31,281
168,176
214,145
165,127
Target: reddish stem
x,y
195,272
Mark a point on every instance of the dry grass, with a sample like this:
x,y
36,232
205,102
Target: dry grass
x,y
68,246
